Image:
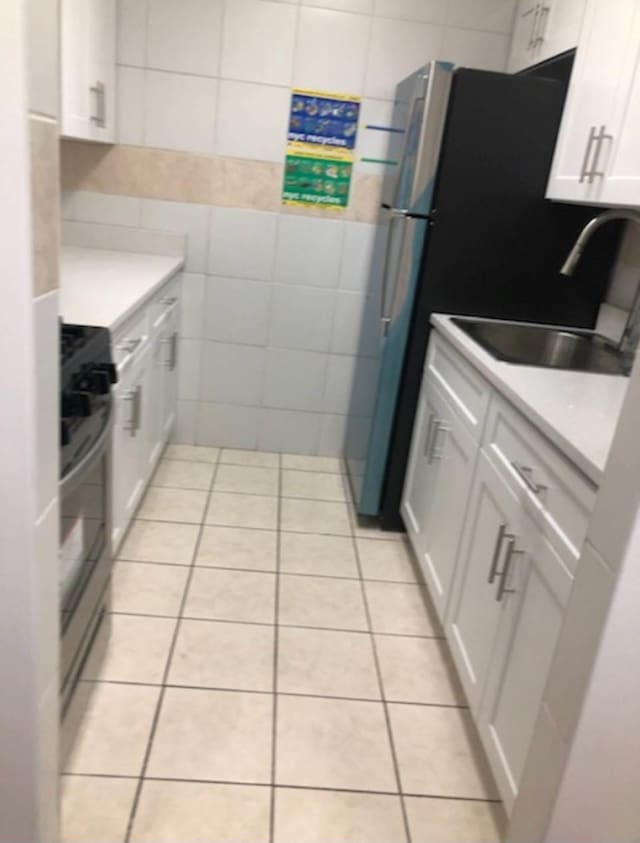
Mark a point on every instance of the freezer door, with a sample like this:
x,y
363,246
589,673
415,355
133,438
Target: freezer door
x,y
406,226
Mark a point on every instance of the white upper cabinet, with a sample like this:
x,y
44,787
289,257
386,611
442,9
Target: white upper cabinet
x,y
543,29
88,70
596,158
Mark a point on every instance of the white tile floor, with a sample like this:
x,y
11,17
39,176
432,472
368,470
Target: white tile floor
x,y
274,675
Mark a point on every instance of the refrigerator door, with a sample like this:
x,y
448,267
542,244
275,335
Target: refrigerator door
x,y
421,103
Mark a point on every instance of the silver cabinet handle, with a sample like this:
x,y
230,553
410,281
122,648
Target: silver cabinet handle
x,y
440,427
539,36
584,173
504,574
602,135
169,301
138,408
532,37
427,441
129,345
525,473
100,117
130,423
496,553
174,351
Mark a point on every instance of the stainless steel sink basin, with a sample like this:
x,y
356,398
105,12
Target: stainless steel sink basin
x,y
533,345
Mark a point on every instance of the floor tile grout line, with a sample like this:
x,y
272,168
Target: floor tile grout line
x,y
283,625
266,693
276,641
156,716
239,783
394,756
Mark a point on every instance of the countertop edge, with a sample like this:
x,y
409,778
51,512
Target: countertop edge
x,y
487,366
167,276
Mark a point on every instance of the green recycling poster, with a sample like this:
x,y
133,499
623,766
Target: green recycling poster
x,y
316,180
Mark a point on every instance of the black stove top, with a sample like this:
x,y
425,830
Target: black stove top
x,y
87,373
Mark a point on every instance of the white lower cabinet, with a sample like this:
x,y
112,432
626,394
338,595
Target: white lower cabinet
x,y
146,398
442,461
496,516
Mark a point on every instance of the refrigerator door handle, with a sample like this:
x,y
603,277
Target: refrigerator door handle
x,y
384,288
404,213
405,264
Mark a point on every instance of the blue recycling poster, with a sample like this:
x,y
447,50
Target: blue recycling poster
x,y
322,119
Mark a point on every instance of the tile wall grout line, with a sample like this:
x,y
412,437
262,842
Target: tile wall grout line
x,y
394,756
156,717
276,642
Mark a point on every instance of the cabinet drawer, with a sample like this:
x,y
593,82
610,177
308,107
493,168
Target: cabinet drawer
x,y
463,386
553,491
129,340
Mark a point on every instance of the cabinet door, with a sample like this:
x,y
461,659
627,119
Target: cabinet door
x,y
163,380
596,101
129,445
442,465
75,105
102,69
475,614
533,610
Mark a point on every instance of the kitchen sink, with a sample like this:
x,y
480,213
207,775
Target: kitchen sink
x,y
535,345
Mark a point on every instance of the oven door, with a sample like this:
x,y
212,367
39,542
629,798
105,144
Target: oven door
x,y
85,552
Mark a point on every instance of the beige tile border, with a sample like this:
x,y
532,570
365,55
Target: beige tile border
x,y
45,203
187,177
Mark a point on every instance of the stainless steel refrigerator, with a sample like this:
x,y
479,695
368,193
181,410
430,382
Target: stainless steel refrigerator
x,y
463,228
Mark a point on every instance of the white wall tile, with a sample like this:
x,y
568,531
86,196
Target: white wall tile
x,y
231,374
364,7
252,120
362,258
309,251
227,426
398,48
301,318
428,11
181,218
242,243
333,432
47,394
131,21
130,105
184,432
355,325
189,361
180,111
350,386
331,50
258,41
471,48
489,15
185,36
192,306
294,380
237,310
290,431
87,206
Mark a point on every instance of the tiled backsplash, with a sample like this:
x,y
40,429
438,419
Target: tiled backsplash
x,y
273,297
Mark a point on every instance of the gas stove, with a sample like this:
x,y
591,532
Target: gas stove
x,y
87,373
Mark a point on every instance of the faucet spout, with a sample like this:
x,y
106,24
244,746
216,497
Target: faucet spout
x,y
573,257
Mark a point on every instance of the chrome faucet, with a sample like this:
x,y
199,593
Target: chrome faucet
x,y
631,334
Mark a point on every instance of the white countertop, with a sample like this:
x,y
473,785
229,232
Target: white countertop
x,y
578,411
102,287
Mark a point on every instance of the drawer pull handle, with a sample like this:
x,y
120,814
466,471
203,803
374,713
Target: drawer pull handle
x,y
504,574
170,301
427,439
129,345
526,475
440,427
496,553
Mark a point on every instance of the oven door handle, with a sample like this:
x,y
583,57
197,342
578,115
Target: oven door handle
x,y
86,463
